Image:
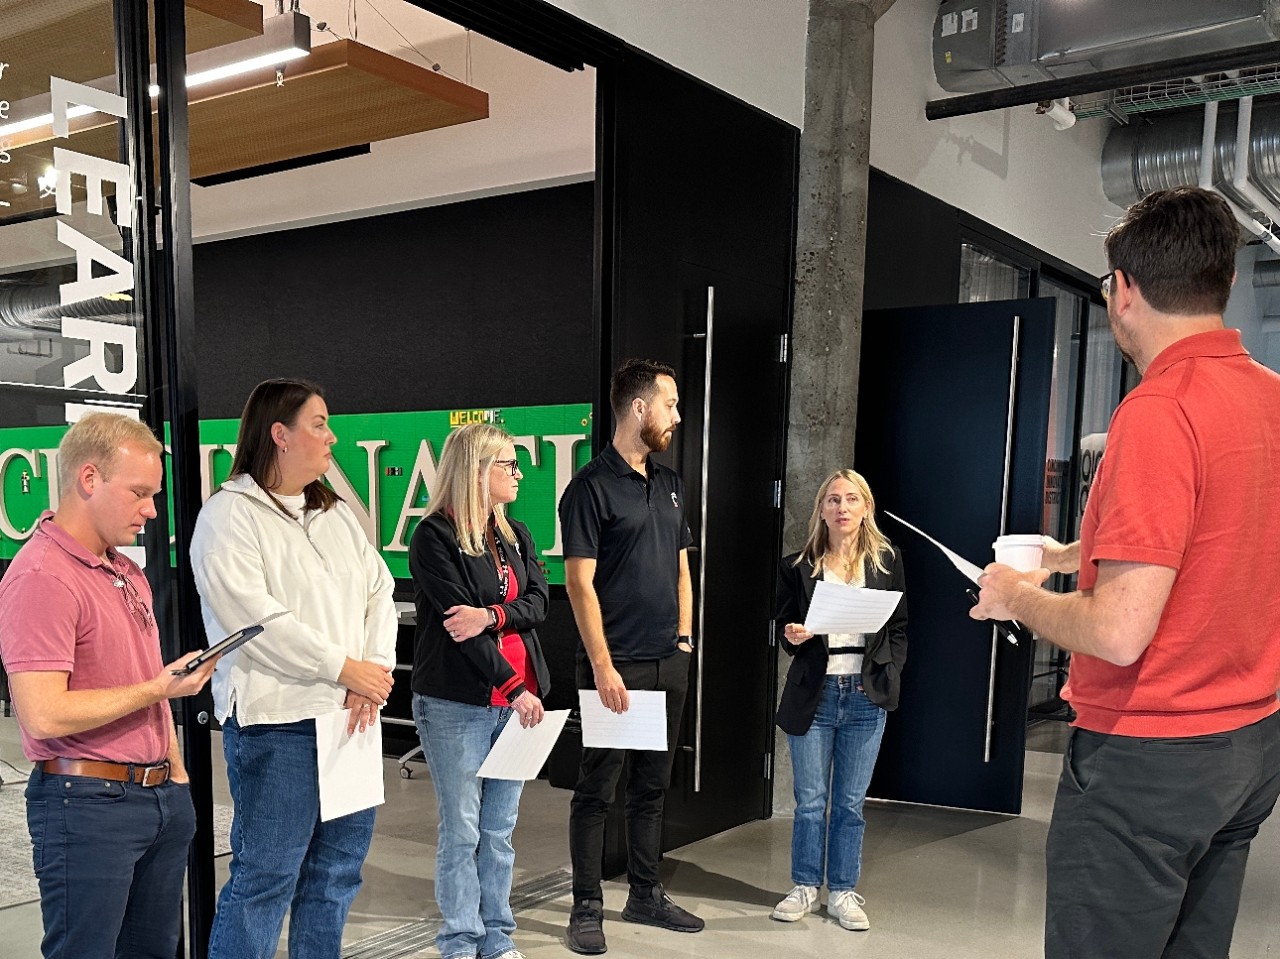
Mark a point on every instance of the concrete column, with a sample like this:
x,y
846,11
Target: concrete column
x,y
835,150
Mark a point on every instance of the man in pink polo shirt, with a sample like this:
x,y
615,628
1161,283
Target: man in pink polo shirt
x,y
108,804
1174,761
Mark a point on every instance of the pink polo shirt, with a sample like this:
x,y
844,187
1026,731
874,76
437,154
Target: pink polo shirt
x,y
60,611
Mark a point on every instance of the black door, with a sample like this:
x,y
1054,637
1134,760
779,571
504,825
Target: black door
x,y
697,222
952,425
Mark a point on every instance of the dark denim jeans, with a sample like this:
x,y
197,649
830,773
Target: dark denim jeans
x,y
647,780
1149,839
283,858
831,765
110,859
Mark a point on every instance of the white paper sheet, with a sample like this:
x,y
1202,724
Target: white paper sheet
x,y
521,753
837,608
350,767
642,726
971,570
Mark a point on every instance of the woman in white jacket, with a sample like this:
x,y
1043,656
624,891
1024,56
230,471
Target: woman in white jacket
x,y
275,543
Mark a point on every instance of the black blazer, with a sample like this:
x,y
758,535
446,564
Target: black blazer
x,y
445,576
881,664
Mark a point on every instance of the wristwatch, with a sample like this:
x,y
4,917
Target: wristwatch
x,y
687,640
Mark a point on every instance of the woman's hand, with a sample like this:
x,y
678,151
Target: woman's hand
x,y
529,708
367,679
796,634
463,622
363,712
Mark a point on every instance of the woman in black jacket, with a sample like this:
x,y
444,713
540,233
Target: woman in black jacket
x,y
838,690
479,593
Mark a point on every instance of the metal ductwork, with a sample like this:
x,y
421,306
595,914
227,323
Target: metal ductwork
x,y
984,45
1166,153
33,312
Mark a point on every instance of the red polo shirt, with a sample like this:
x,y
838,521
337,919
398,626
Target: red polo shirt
x,y
60,611
1191,480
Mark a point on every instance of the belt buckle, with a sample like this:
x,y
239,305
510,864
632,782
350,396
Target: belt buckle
x,y
154,775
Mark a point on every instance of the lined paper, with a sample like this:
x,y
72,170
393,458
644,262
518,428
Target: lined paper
x,y
642,726
520,753
837,608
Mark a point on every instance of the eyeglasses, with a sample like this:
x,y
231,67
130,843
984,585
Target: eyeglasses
x,y
1105,281
132,599
508,466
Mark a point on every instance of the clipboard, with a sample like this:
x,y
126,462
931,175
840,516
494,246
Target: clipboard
x,y
234,641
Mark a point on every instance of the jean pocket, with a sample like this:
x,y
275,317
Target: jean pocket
x,y
1080,764
37,814
1197,744
86,790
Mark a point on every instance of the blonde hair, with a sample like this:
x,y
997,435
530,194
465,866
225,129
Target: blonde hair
x,y
872,544
462,485
97,438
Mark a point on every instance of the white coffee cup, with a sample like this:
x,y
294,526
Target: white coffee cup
x,y
1023,552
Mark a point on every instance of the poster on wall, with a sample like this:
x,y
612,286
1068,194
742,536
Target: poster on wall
x,y
384,466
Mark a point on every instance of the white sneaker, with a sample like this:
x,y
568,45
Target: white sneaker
x,y
800,901
510,954
845,907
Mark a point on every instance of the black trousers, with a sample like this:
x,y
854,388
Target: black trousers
x,y
649,774
1149,839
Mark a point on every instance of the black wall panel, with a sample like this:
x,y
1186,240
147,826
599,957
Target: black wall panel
x,y
913,247
485,303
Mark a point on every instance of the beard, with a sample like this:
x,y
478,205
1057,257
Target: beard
x,y
654,438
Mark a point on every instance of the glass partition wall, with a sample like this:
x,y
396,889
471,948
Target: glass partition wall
x,y
92,252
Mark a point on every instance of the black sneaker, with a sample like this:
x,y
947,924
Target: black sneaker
x,y
657,909
586,928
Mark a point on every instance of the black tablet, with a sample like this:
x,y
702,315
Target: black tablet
x,y
233,641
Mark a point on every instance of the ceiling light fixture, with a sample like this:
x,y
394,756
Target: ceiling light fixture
x,y
284,37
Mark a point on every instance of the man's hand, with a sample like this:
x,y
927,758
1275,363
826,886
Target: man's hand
x,y
529,708
1061,557
612,690
363,712
795,634
997,585
368,679
169,686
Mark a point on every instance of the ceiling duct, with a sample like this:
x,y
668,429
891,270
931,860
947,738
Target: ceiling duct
x,y
984,45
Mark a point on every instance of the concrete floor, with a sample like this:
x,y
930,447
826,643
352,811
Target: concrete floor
x,y
939,883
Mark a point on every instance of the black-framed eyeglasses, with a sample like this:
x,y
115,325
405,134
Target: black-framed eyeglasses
x,y
133,599
508,466
1105,281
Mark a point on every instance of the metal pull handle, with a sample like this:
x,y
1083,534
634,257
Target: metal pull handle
x,y
1004,519
702,543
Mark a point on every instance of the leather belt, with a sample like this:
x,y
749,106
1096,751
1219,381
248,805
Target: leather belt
x,y
835,651
144,775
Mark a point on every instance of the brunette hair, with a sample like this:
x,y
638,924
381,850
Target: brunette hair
x,y
96,438
872,544
462,485
1179,247
271,402
635,378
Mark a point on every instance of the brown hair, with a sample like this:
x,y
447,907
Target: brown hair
x,y
271,402
872,544
635,378
1179,248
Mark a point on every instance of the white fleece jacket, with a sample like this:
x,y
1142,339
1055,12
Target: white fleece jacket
x,y
335,593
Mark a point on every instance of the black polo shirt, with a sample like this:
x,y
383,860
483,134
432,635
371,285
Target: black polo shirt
x,y
634,528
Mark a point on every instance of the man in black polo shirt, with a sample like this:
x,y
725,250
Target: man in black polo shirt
x,y
627,572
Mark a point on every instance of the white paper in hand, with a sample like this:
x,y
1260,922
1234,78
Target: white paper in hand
x,y
837,608
350,766
520,753
971,570
642,726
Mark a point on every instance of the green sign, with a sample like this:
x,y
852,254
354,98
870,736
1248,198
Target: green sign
x,y
384,466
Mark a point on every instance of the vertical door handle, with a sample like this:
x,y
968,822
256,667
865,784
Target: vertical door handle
x,y
702,542
1004,520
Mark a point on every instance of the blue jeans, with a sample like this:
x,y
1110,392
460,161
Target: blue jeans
x,y
834,758
474,856
110,859
283,858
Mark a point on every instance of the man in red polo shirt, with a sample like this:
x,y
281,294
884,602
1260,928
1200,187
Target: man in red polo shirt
x,y
108,804
1174,761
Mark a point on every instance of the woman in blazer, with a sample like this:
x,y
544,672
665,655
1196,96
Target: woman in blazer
x,y
479,592
838,690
